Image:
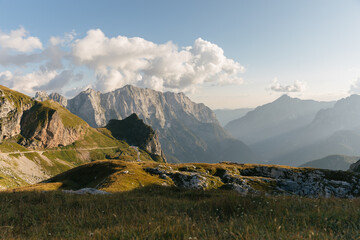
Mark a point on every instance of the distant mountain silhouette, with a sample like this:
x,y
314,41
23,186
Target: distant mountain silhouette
x,y
283,115
226,115
334,130
332,162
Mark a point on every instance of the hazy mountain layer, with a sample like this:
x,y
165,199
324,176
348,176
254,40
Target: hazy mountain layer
x,y
333,131
333,162
276,118
226,115
188,132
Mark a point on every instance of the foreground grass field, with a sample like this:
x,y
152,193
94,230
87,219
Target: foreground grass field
x,y
170,213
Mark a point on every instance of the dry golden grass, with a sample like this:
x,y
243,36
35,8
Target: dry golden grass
x,y
156,212
123,175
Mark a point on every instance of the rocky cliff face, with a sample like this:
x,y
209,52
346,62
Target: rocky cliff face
x,y
87,105
154,146
58,98
43,96
152,106
12,107
43,127
40,124
188,131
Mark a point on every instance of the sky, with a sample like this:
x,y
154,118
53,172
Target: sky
x,y
226,54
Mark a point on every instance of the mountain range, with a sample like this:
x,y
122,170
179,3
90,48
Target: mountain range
x,y
291,131
188,132
283,115
333,162
41,139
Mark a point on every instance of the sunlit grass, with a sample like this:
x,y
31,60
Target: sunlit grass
x,y
170,213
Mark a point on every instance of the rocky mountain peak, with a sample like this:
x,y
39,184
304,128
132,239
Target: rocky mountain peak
x,y
58,98
41,96
135,132
186,130
89,91
284,97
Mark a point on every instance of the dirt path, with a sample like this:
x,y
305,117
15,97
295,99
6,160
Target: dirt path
x,y
137,150
57,150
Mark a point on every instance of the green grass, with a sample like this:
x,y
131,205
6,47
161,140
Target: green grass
x,y
68,119
11,146
18,99
168,213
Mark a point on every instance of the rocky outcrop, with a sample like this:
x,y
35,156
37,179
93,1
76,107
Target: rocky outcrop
x,y
187,131
39,124
275,180
58,98
154,146
43,127
117,176
185,178
135,132
42,96
12,107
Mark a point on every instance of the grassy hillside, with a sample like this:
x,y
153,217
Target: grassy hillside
x,y
170,213
20,166
119,176
15,97
56,140
41,110
15,159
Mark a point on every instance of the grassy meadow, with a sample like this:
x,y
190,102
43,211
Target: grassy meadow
x,y
156,212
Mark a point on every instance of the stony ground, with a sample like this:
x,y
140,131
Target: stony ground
x,y
118,176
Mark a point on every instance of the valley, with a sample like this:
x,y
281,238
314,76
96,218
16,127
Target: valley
x,y
47,153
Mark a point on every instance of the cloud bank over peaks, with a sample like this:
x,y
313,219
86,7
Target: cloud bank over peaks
x,y
19,40
26,83
112,62
297,86
122,60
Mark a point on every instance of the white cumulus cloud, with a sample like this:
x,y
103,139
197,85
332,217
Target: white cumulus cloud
x,y
19,40
121,60
116,61
297,86
26,83
66,39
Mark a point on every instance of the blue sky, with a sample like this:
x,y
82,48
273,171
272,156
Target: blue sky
x,y
308,49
